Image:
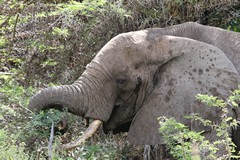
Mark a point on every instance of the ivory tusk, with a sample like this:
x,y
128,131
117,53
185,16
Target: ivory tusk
x,y
91,130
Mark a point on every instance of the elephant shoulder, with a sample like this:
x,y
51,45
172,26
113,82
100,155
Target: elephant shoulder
x,y
177,82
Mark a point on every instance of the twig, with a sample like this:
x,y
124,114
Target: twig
x,y
6,73
59,18
50,142
16,10
147,150
15,25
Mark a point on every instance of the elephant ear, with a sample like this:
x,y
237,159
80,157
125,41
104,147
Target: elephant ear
x,y
201,68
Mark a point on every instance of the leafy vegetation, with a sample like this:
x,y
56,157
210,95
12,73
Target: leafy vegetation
x,y
186,144
8,149
46,41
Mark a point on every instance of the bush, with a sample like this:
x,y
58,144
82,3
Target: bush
x,y
186,144
9,150
50,42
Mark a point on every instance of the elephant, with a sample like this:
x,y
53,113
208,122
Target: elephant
x,y
141,75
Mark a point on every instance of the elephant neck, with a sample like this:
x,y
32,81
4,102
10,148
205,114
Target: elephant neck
x,y
227,41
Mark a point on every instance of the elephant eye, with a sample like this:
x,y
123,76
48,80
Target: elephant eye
x,y
121,81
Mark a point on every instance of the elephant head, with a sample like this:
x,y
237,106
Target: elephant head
x,y
138,76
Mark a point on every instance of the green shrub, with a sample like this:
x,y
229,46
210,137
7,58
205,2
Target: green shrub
x,y
53,42
10,149
234,25
182,143
186,144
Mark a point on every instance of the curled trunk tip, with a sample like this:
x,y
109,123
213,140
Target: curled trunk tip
x,y
59,97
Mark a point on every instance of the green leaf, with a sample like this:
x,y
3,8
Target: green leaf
x,y
3,42
5,76
60,32
50,62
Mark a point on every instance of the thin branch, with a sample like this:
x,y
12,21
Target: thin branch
x,y
51,142
15,11
6,73
15,25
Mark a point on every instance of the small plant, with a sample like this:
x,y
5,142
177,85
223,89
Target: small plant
x,y
12,92
97,151
186,144
42,122
60,32
9,149
234,25
182,143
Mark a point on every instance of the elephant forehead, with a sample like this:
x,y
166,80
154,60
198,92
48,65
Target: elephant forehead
x,y
126,40
121,59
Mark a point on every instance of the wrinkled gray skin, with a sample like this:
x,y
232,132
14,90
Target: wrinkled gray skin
x,y
138,76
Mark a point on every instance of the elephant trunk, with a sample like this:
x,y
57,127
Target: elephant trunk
x,y
59,97
91,96
71,97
